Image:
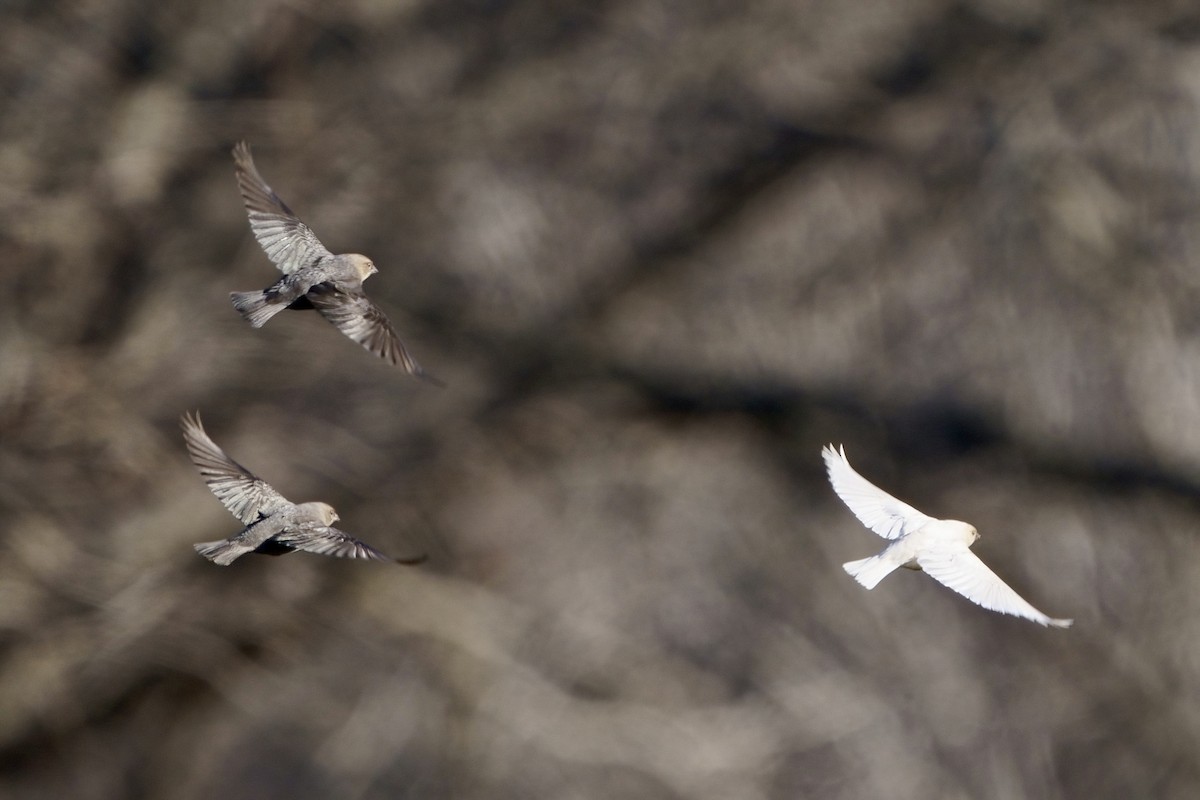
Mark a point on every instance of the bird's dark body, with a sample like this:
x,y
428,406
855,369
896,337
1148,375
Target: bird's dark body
x,y
271,547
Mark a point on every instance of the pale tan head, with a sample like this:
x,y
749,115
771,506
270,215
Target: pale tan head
x,y
322,512
364,266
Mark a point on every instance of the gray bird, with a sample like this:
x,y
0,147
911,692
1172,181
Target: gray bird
x,y
313,277
274,525
940,547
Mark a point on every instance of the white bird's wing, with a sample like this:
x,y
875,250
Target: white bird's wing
x,y
953,565
289,243
328,541
245,495
875,508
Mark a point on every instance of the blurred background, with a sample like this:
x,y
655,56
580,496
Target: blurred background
x,y
661,252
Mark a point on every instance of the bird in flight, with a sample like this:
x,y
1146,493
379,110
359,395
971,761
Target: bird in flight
x,y
313,277
940,547
274,525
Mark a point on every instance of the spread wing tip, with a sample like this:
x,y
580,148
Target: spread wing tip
x,y
833,455
419,372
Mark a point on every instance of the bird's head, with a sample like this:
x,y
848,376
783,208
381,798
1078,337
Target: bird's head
x,y
364,266
962,531
326,513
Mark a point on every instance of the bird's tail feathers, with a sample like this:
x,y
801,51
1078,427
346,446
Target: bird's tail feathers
x,y
256,307
869,571
222,551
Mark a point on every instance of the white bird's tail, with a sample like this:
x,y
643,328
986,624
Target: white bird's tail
x,y
870,571
256,307
222,551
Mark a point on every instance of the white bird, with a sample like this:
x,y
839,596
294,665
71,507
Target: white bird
x,y
941,547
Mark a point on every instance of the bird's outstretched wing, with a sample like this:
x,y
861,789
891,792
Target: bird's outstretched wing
x,y
289,243
875,508
327,541
355,315
246,496
953,565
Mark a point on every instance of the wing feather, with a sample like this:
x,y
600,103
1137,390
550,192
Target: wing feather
x,y
357,317
875,508
247,496
328,541
954,566
289,243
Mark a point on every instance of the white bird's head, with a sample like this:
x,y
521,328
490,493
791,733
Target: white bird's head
x,y
958,531
364,266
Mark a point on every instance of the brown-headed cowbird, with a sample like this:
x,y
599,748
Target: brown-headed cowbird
x,y
274,525
313,277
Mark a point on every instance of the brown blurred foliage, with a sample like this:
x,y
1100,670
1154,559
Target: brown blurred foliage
x,y
661,252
